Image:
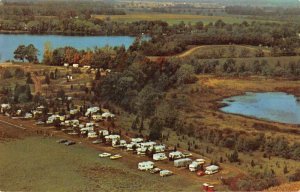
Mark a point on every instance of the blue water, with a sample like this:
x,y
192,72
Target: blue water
x,y
271,106
9,43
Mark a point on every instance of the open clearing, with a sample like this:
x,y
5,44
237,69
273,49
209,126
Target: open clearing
x,y
40,164
172,18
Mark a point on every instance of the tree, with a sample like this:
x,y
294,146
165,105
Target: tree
x,y
47,79
234,157
97,75
20,53
29,79
31,54
155,126
285,169
185,74
48,54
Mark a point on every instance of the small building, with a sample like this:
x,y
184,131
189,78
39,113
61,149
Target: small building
x,y
209,170
146,165
159,156
182,162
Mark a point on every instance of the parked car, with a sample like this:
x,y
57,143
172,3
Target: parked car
x,y
155,170
165,173
117,156
62,141
104,155
70,143
187,154
40,123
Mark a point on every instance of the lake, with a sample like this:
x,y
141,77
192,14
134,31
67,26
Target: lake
x,y
9,42
271,106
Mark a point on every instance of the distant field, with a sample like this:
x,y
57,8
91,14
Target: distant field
x,y
172,18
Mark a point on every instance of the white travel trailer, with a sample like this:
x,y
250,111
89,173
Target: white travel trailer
x,y
112,137
209,170
107,115
146,165
103,132
92,110
130,146
5,107
182,162
137,140
159,148
195,165
141,151
159,156
75,65
92,134
176,155
66,64
149,144
97,117
122,143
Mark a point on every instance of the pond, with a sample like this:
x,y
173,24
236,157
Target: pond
x,y
270,106
9,42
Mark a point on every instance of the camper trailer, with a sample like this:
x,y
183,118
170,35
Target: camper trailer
x,y
212,169
137,140
159,156
176,155
182,162
92,134
146,165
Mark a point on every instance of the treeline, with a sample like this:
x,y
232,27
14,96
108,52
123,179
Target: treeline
x,y
283,36
262,11
81,26
275,146
61,9
117,58
234,67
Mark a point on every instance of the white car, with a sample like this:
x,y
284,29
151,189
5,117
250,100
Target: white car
x,y
104,155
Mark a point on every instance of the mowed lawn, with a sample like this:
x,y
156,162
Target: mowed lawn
x,y
41,164
172,18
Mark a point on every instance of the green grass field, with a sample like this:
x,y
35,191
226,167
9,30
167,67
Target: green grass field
x,y
173,18
38,164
